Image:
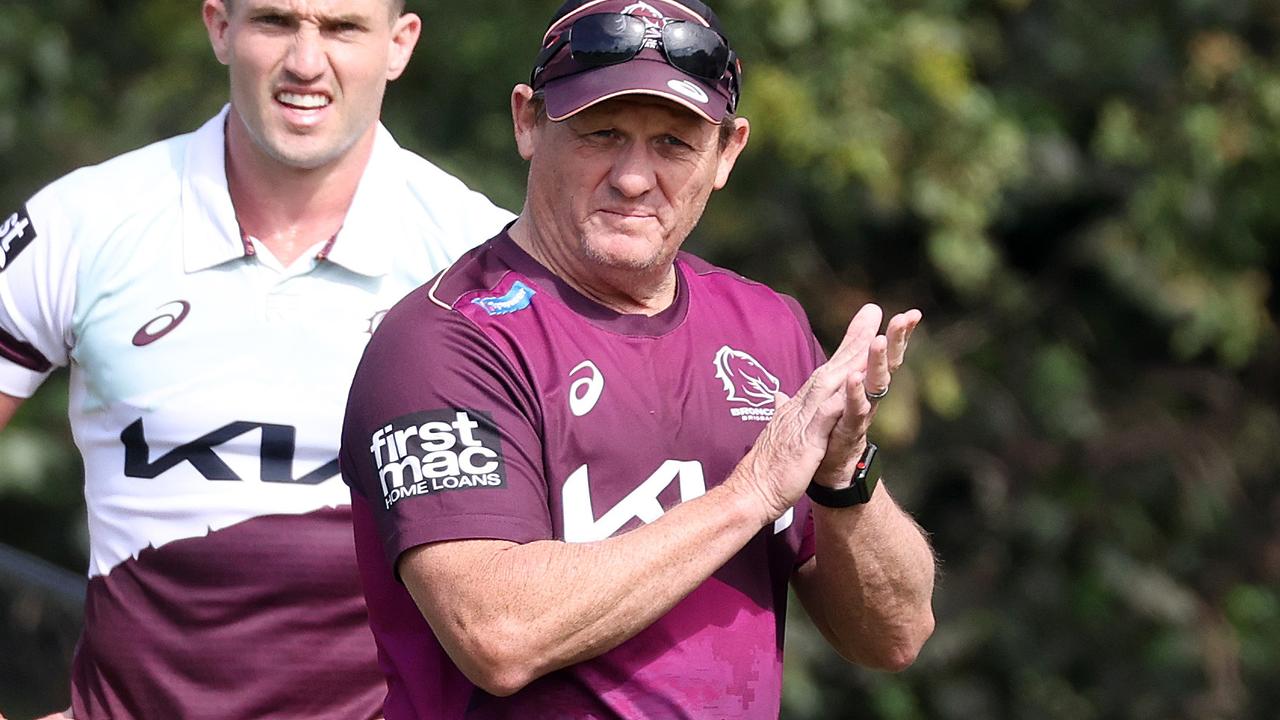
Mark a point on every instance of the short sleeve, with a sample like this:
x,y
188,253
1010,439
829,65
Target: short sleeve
x,y
37,294
442,435
463,217
479,219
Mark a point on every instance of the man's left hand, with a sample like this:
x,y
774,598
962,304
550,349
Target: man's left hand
x,y
867,383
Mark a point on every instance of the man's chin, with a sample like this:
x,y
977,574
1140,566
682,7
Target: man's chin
x,y
302,155
624,253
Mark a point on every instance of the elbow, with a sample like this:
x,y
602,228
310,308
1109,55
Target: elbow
x,y
495,661
896,658
499,680
897,649
902,652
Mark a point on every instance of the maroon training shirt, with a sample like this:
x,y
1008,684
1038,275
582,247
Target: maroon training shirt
x,y
500,403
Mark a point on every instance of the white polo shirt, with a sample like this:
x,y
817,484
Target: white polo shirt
x,y
208,381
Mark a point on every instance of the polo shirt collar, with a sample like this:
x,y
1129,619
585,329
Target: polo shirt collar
x,y
211,234
363,245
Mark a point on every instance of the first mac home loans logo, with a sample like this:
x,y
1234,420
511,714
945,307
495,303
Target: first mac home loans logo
x,y
435,451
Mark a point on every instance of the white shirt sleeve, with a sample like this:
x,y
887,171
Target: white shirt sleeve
x,y
465,218
37,292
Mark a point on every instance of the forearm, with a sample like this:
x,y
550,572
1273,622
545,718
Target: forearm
x,y
871,583
512,613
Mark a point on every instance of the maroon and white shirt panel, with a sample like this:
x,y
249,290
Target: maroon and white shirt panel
x,y
207,388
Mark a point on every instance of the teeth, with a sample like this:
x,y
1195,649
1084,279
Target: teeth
x,y
311,101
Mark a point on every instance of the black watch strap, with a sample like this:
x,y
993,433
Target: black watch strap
x,y
857,493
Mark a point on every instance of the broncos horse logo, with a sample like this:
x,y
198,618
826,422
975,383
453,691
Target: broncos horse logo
x,y
745,379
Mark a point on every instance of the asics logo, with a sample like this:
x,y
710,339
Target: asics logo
x,y
585,391
172,314
689,90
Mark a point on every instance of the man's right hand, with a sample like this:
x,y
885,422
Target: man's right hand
x,y
792,446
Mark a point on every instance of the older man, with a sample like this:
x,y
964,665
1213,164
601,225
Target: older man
x,y
574,448
212,294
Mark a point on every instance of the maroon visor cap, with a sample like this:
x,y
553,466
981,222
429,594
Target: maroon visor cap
x,y
569,85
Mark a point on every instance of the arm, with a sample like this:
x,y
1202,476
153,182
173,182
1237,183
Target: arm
x,y
8,406
869,586
508,614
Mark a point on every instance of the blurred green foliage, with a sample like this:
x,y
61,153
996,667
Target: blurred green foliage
x,y
1084,200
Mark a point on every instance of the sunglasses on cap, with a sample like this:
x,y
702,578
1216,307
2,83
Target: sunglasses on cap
x,y
613,38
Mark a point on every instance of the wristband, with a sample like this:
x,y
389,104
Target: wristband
x,y
857,493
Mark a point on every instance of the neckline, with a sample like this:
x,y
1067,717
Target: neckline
x,y
631,324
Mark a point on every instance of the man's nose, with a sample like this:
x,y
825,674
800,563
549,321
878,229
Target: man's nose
x,y
307,59
633,172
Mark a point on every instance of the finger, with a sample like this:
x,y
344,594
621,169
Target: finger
x,y
848,437
878,374
829,378
844,431
862,328
899,334
859,410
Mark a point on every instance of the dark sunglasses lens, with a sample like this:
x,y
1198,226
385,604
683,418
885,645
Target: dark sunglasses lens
x,y
606,39
695,49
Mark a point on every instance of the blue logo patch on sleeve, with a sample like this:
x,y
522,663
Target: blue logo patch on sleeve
x,y
517,298
16,233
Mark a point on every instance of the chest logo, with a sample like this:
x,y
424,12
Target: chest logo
x,y
276,451
585,391
517,298
746,382
171,315
642,504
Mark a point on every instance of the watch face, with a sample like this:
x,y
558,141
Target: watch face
x,y
859,491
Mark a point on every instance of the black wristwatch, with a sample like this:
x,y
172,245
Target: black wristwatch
x,y
857,493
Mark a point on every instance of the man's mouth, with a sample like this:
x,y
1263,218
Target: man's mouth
x,y
303,101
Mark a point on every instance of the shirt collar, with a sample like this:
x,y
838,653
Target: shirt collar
x,y
363,244
211,234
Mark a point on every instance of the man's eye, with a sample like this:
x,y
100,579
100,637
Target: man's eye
x,y
673,141
345,28
272,20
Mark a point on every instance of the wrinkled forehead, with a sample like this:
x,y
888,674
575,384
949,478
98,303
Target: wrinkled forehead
x,y
655,13
322,8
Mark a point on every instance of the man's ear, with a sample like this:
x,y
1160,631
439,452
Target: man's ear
x,y
404,38
217,22
729,155
524,119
